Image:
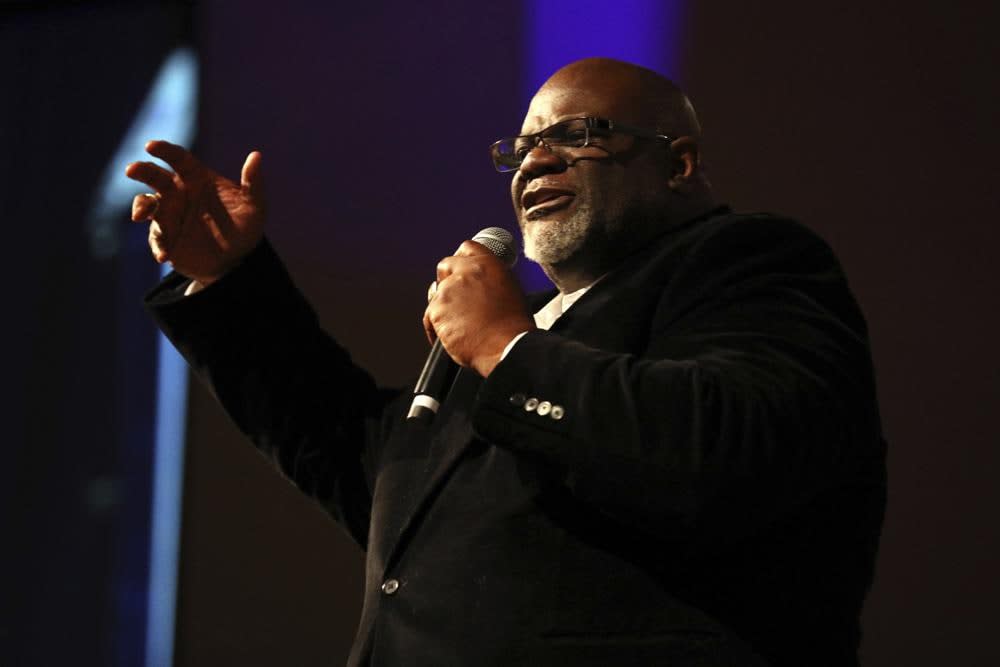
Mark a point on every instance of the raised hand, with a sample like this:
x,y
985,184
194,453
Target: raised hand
x,y
200,222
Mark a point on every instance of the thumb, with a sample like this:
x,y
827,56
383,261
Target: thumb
x,y
250,177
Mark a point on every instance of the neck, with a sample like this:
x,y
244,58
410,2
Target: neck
x,y
585,267
568,278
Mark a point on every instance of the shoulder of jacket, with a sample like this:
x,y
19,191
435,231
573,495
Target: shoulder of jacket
x,y
753,230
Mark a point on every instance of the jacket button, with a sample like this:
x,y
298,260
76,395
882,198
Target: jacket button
x,y
390,586
517,400
557,412
531,404
544,408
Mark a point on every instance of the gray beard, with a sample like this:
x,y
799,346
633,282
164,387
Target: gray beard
x,y
550,243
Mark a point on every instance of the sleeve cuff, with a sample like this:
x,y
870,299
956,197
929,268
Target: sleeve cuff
x,y
507,348
193,288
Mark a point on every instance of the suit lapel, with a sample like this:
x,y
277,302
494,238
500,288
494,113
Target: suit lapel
x,y
449,437
613,315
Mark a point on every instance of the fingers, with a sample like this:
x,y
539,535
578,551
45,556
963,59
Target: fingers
x,y
432,293
428,327
183,162
469,261
450,265
144,207
250,175
152,175
460,259
157,244
445,268
471,249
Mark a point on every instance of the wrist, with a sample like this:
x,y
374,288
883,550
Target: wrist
x,y
223,269
485,364
502,345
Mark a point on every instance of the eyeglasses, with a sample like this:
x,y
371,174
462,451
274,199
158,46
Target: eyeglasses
x,y
509,153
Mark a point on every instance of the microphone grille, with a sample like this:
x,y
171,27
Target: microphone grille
x,y
500,242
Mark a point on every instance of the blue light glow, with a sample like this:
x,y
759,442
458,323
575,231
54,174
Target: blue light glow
x,y
169,112
168,485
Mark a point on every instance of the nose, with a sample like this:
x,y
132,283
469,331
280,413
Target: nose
x,y
541,160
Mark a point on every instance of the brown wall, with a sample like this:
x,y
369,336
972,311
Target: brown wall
x,y
873,123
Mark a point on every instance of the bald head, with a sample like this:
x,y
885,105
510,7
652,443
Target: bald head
x,y
584,209
618,90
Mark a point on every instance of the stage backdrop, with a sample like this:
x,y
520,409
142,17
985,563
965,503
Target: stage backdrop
x,y
874,123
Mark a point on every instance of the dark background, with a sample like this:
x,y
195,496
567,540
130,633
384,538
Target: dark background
x,y
874,123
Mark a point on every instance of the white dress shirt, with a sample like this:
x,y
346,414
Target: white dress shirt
x,y
549,313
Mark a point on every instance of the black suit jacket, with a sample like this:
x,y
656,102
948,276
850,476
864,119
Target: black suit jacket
x,y
710,493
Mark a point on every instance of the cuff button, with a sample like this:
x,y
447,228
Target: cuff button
x,y
556,413
517,400
544,408
531,404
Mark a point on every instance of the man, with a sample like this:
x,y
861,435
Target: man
x,y
676,461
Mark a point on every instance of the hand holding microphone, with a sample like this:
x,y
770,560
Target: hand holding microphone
x,y
476,309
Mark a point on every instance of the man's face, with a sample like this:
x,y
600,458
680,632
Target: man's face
x,y
580,206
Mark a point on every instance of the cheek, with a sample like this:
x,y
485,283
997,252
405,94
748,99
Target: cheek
x,y
610,192
633,190
515,195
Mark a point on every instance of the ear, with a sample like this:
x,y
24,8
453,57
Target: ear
x,y
685,172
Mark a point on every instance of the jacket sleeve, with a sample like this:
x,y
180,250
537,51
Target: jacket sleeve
x,y
254,340
754,393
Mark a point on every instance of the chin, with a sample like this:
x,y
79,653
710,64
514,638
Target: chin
x,y
551,242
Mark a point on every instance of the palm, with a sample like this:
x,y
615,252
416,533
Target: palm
x,y
202,222
219,224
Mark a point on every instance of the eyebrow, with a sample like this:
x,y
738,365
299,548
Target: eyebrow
x,y
558,120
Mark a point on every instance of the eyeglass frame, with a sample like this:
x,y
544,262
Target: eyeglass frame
x,y
590,123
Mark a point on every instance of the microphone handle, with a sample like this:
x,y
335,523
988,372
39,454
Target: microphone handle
x,y
436,377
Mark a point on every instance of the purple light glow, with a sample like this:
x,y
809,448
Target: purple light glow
x,y
644,32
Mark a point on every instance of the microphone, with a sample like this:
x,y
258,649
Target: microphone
x,y
439,370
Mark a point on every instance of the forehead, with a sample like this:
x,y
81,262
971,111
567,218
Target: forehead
x,y
556,102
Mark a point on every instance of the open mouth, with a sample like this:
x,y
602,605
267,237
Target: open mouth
x,y
547,204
